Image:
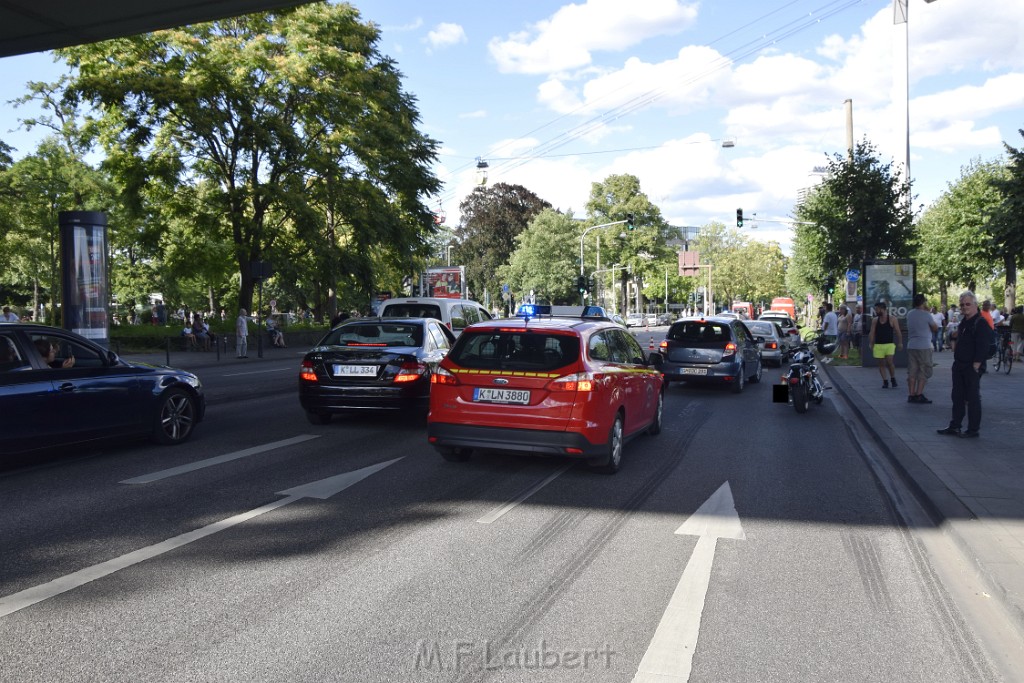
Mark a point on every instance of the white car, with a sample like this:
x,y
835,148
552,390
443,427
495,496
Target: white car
x,y
456,314
634,320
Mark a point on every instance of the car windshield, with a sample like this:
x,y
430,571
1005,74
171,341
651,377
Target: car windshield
x,y
502,350
375,334
412,310
699,331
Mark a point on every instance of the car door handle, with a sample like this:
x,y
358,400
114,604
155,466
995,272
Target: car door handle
x,y
66,386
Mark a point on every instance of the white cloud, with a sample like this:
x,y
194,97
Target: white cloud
x,y
445,35
478,114
567,38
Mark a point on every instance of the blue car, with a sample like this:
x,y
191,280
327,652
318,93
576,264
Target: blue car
x,y
58,388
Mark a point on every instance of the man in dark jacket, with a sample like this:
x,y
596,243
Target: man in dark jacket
x,y
973,337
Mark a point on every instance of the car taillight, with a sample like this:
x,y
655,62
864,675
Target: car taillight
x,y
410,372
579,381
307,372
730,350
442,376
663,345
771,345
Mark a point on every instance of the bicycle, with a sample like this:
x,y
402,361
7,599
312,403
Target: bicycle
x,y
1005,356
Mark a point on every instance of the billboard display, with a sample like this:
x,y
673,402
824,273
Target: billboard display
x,y
447,282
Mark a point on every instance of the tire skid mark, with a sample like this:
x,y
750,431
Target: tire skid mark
x,y
563,579
865,554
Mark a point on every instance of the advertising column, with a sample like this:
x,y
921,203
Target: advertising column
x,y
83,253
892,282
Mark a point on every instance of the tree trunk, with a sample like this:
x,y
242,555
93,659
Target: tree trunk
x,y
1011,281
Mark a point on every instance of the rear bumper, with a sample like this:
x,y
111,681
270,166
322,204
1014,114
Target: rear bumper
x,y
718,372
321,399
534,441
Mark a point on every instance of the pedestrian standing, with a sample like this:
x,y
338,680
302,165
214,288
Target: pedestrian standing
x,y
1017,331
973,337
242,333
940,329
883,340
9,316
921,330
986,313
829,328
858,326
845,325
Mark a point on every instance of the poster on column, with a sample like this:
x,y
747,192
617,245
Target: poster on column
x,y
891,281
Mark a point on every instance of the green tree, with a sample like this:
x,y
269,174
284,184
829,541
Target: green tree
x,y
492,218
955,245
862,211
645,249
289,115
545,260
1006,224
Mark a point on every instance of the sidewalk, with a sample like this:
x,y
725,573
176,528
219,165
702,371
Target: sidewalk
x,y
974,488
193,360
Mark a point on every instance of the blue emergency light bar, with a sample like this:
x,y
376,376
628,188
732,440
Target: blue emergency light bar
x,y
532,310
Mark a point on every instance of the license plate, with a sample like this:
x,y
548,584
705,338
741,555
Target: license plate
x,y
519,396
693,371
355,370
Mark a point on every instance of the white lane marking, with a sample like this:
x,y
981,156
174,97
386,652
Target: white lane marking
x,y
497,513
260,372
210,462
669,657
325,488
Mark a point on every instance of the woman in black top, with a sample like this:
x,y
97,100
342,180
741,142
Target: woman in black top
x,y
885,339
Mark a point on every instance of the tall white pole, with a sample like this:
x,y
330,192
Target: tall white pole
x,y
901,82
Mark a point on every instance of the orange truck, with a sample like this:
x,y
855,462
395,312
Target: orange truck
x,y
744,309
784,303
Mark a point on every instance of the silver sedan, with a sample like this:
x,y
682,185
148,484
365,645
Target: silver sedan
x,y
775,342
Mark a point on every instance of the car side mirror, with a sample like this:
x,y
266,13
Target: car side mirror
x,y
112,358
656,360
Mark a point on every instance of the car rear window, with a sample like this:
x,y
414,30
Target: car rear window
x,y
698,331
375,334
503,350
761,328
412,311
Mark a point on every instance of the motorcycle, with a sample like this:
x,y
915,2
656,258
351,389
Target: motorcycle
x,y
802,378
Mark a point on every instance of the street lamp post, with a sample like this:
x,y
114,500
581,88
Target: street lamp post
x,y
582,237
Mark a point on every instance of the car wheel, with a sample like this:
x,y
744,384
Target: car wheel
x,y
655,427
454,454
175,417
757,378
610,462
318,418
737,384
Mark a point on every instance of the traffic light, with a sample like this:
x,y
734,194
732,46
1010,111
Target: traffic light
x,y
830,285
739,218
629,222
581,284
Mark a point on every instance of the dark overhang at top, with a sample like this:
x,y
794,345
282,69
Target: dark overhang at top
x,y
38,25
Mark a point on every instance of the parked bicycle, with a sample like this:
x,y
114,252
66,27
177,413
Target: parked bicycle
x,y
1004,358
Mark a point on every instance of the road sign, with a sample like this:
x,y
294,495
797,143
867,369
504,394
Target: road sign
x,y
852,275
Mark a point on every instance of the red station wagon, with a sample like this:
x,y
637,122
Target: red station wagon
x,y
579,387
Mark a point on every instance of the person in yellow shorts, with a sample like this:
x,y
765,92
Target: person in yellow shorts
x,y
885,339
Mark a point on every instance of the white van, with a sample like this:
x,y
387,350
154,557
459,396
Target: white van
x,y
456,314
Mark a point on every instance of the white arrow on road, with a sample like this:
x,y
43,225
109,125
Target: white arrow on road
x,y
323,489
669,657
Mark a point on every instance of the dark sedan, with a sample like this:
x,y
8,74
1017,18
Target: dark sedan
x,y
372,364
58,388
719,349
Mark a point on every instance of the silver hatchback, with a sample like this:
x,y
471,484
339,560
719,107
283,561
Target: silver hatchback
x,y
775,343
716,350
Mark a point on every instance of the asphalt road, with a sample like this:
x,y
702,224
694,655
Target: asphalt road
x,y
759,536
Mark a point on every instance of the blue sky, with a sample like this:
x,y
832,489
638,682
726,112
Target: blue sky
x,y
556,96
